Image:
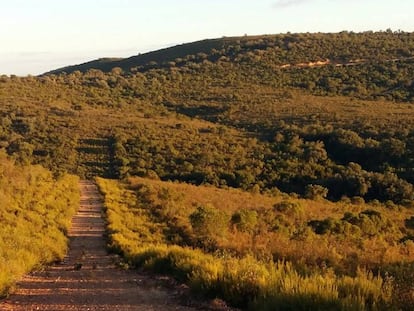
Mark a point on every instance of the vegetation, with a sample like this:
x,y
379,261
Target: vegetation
x,y
177,229
367,65
35,214
311,136
233,120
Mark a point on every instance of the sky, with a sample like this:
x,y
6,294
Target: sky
x,y
41,35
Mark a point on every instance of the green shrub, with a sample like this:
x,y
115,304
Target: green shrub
x,y
322,226
209,224
370,222
288,207
315,192
245,220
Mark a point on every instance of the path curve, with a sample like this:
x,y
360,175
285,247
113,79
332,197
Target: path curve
x,y
88,278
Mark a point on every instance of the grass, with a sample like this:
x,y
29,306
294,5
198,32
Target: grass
x,y
35,213
140,228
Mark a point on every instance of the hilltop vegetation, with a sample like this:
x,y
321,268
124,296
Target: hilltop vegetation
x,y
366,65
290,119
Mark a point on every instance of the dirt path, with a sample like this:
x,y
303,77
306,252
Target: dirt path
x,y
88,278
326,62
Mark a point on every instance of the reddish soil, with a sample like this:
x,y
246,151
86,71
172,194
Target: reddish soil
x,y
89,279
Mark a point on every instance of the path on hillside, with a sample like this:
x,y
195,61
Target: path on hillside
x,y
327,62
88,278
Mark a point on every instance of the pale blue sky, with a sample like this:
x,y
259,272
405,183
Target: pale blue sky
x,y
41,35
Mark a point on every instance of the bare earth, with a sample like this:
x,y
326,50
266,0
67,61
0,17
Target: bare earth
x,y
89,279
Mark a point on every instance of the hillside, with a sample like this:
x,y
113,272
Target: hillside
x,y
282,50
321,122
261,252
367,65
235,121
151,59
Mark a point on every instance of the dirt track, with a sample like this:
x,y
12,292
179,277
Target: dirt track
x,y
88,278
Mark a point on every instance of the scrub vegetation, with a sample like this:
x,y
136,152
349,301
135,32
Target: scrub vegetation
x,y
35,214
287,157
256,251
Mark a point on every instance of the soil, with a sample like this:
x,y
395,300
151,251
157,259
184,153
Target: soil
x,y
90,279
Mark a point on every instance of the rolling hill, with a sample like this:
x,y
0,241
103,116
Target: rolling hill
x,y
316,131
162,56
234,116
367,65
283,49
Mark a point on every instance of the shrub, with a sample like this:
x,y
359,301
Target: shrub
x,y
409,222
245,220
322,226
369,221
357,200
315,192
289,207
209,224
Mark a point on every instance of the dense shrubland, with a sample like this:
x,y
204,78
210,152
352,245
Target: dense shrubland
x,y
261,131
370,158
365,65
35,214
382,54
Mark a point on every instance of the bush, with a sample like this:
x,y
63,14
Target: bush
x,y
314,192
289,207
322,226
209,224
245,220
409,222
370,222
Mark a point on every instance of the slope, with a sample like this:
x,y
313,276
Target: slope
x,y
367,65
225,124
259,252
152,58
279,50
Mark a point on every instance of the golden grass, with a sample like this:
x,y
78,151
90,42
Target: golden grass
x,y
142,212
35,213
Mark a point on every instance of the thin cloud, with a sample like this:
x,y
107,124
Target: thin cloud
x,y
281,4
